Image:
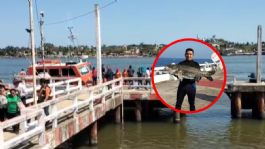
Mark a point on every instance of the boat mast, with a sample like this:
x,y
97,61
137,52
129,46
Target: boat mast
x,y
32,46
98,45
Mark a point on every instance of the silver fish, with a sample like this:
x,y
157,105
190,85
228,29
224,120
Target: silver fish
x,y
182,71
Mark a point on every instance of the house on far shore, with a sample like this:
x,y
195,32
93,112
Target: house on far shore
x,y
217,46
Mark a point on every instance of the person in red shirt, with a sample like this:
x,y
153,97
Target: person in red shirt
x,y
125,75
94,76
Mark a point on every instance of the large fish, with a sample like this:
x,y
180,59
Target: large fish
x,y
183,71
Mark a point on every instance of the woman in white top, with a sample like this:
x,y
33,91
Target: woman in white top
x,y
3,102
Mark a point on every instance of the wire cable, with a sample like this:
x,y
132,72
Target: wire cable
x,y
82,15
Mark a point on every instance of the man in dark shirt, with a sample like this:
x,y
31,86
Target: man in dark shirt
x,y
187,86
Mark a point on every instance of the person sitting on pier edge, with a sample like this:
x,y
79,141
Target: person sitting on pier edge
x,y
44,94
188,86
94,76
14,106
3,102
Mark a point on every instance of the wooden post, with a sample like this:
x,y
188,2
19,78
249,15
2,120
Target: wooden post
x,y
260,105
138,109
118,114
236,105
259,55
94,134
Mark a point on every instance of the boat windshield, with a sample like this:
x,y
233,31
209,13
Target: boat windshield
x,y
84,70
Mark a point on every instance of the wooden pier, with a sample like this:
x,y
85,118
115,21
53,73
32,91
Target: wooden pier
x,y
245,95
74,108
248,94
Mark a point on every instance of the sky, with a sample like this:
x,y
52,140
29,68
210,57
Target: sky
x,y
177,50
134,21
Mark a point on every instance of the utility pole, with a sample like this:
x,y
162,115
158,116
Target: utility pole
x,y
32,41
42,38
259,54
71,36
41,33
98,45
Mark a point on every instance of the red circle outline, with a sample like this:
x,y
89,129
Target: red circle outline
x,y
224,73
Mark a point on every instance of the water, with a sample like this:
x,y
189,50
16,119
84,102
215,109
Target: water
x,y
210,129
166,61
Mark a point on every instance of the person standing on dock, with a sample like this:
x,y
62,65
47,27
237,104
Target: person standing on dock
x,y
3,102
125,75
130,74
94,76
44,94
22,90
14,106
188,86
147,74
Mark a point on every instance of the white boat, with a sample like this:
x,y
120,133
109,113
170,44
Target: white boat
x,y
160,75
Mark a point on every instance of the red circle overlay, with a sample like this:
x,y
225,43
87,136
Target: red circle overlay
x,y
224,72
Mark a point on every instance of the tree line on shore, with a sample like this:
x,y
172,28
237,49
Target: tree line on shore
x,y
110,50
142,49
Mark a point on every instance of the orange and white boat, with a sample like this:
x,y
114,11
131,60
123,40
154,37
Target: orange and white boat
x,y
57,69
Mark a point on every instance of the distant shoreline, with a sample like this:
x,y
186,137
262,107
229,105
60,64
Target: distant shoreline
x,y
126,56
49,57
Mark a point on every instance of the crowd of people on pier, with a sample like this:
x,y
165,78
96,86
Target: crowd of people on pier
x,y
108,74
13,99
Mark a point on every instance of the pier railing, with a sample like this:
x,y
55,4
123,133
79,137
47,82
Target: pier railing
x,y
137,82
35,128
60,88
64,91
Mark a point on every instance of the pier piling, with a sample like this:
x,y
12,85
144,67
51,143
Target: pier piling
x,y
176,117
260,107
118,114
94,134
138,110
236,105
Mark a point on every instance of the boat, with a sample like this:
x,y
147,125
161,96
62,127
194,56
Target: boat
x,y
55,68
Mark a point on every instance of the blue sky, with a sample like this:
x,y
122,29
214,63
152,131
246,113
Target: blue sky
x,y
177,50
135,21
